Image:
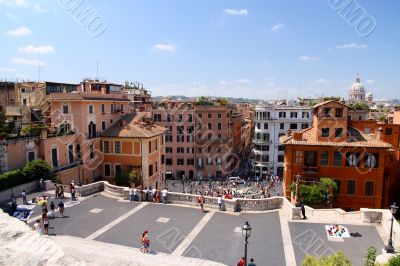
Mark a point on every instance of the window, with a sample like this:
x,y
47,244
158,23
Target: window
x,y
209,161
189,138
209,136
103,108
371,160
209,149
325,132
168,150
305,115
103,125
209,115
168,138
388,131
293,126
219,115
304,126
327,112
190,162
293,114
90,109
118,170
352,159
280,148
265,126
149,146
180,150
168,161
112,108
180,162
339,112
54,157
351,187
31,156
180,138
65,109
117,147
282,114
156,140
180,118
190,118
280,158
70,153
338,183
324,158
219,126
337,158
360,117
162,159
200,115
200,126
150,170
169,118
310,158
282,126
338,132
190,129
369,188
106,146
180,129
258,126
91,155
209,126
265,158
107,169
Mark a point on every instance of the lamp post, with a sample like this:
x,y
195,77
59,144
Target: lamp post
x,y
246,231
298,177
389,248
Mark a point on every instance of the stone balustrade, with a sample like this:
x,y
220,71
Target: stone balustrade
x,y
90,189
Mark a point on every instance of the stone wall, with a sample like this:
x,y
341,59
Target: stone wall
x,y
5,195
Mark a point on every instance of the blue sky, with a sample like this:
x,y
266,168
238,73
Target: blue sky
x,y
255,49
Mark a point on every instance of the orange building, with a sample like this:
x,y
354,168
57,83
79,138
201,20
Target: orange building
x,y
130,145
333,148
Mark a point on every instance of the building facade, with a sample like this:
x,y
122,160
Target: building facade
x,y
333,148
270,122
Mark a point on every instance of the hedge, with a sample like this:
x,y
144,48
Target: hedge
x,y
13,178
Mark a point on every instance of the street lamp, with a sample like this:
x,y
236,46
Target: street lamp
x,y
298,177
246,231
389,248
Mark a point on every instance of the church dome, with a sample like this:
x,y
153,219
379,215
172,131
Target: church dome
x,y
357,91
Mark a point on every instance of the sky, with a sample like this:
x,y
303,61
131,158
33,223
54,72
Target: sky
x,y
227,48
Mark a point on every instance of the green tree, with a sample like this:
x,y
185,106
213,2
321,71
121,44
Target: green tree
x,y
369,260
135,177
395,261
336,259
38,169
317,194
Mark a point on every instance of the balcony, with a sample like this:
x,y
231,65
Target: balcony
x,y
310,169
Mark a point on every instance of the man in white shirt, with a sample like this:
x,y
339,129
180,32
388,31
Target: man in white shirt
x,y
135,194
164,193
219,200
23,194
153,194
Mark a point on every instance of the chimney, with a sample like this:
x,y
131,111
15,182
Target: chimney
x,y
298,135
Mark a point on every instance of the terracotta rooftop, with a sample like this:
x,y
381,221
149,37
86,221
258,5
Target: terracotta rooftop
x,y
329,101
79,96
358,139
129,127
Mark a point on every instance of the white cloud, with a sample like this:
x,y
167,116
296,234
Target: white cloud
x,y
370,81
353,45
17,3
30,49
28,62
10,15
243,81
165,47
236,12
277,27
223,82
308,58
38,8
7,69
21,31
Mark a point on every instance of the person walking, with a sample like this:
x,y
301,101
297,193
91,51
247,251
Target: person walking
x,y
57,191
61,208
145,241
73,193
251,263
61,195
52,210
145,194
219,200
41,184
241,262
303,211
23,194
201,202
45,220
154,194
164,193
135,194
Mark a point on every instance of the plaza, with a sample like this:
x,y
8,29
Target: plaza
x,y
212,235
